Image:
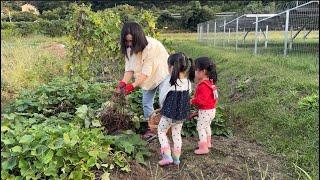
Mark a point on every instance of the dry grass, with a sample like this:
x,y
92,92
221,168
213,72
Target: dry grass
x,y
25,64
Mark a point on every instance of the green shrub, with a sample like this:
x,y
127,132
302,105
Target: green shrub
x,y
94,43
27,28
23,16
50,15
53,28
22,28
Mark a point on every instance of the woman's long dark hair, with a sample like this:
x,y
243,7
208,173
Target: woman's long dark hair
x,y
205,63
139,38
180,63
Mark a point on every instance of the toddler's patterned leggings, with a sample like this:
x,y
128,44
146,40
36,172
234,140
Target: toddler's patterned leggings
x,y
163,127
204,121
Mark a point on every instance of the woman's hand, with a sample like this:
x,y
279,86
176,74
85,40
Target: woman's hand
x,y
128,89
120,86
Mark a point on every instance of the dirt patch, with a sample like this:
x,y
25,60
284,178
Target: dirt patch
x,y
230,158
137,172
56,49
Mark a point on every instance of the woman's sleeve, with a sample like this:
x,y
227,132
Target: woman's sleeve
x,y
148,58
129,66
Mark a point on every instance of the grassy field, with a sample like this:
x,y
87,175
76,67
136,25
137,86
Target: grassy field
x,y
27,62
266,99
275,43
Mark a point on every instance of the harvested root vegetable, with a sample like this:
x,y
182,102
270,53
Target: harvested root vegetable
x,y
115,117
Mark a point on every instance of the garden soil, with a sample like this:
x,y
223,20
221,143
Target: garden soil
x,y
230,158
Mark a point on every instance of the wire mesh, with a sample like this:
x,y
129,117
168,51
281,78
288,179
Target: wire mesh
x,y
293,29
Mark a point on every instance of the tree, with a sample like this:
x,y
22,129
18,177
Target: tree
x,y
196,14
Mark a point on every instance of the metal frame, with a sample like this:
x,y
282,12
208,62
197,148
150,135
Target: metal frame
x,y
229,24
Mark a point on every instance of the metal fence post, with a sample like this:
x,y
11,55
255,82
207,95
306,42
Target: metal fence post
x,y
215,33
256,37
286,33
244,33
304,34
229,36
237,26
224,31
200,32
266,41
291,38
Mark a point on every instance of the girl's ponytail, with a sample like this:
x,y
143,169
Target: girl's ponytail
x,y
212,72
175,73
191,70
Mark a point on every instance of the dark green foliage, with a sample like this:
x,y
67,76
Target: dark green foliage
x,y
61,95
54,28
20,16
54,132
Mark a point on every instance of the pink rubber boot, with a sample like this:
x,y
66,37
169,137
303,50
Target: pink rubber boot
x,y
176,156
203,148
166,156
209,142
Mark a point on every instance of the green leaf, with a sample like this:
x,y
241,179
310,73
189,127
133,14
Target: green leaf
x,y
17,149
127,146
77,175
91,162
93,153
8,141
56,144
66,138
75,139
82,111
126,169
96,123
23,164
26,139
105,165
4,128
48,157
9,164
139,158
51,170
105,176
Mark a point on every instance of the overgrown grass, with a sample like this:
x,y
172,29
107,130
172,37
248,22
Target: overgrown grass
x,y
25,64
264,95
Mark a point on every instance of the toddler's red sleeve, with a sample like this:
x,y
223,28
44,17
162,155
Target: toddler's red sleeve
x,y
200,95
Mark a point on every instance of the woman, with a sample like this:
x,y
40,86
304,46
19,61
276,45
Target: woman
x,y
146,62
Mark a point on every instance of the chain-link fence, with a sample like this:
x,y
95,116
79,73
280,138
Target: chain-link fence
x,y
292,30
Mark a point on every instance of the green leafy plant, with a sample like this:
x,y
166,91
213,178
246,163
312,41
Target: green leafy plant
x,y
61,95
309,102
94,47
241,86
218,125
55,132
54,148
